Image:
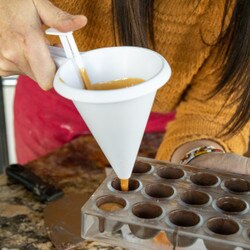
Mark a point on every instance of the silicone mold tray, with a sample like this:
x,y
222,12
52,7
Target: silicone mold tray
x,y
170,206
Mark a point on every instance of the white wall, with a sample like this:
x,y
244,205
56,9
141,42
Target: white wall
x,y
8,93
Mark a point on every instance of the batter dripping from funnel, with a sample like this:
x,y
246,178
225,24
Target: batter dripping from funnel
x,y
124,184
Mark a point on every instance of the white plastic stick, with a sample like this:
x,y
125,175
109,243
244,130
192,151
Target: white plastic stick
x,y
75,51
63,39
69,45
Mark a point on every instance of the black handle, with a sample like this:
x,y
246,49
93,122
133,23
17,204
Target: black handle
x,y
28,179
4,158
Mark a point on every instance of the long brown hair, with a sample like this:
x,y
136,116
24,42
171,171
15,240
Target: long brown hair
x,y
235,47
134,20
134,25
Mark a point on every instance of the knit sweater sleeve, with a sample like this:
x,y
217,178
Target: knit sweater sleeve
x,y
200,117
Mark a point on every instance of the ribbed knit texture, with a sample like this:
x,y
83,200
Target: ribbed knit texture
x,y
181,27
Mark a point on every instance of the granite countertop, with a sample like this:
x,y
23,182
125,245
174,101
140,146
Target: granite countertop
x,y
77,167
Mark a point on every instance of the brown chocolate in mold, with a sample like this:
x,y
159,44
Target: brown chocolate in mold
x,y
170,173
222,226
179,240
133,184
109,203
141,168
184,218
237,185
159,190
231,205
204,179
195,198
145,210
210,245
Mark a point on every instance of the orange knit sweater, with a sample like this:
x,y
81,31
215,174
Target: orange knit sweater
x,y
178,27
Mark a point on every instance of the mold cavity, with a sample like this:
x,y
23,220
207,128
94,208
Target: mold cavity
x,y
194,197
204,179
133,184
157,190
145,210
110,203
183,218
170,173
236,185
141,168
222,226
231,205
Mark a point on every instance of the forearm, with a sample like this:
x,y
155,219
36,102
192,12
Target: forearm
x,y
187,132
175,147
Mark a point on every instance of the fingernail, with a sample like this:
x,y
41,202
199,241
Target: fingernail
x,y
84,18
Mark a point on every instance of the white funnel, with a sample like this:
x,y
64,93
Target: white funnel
x,y
116,118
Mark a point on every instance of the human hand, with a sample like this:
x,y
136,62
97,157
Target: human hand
x,y
224,162
23,46
221,161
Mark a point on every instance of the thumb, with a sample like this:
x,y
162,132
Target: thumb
x,y
57,18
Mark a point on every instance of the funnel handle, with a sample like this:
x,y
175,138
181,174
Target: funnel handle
x,y
69,49
58,55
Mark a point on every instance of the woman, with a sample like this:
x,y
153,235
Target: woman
x,y
206,43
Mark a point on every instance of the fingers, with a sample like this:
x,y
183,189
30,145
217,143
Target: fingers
x,y
8,68
39,59
224,162
58,19
13,60
23,48
8,73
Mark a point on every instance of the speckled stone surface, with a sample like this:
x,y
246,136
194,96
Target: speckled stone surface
x,y
76,167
